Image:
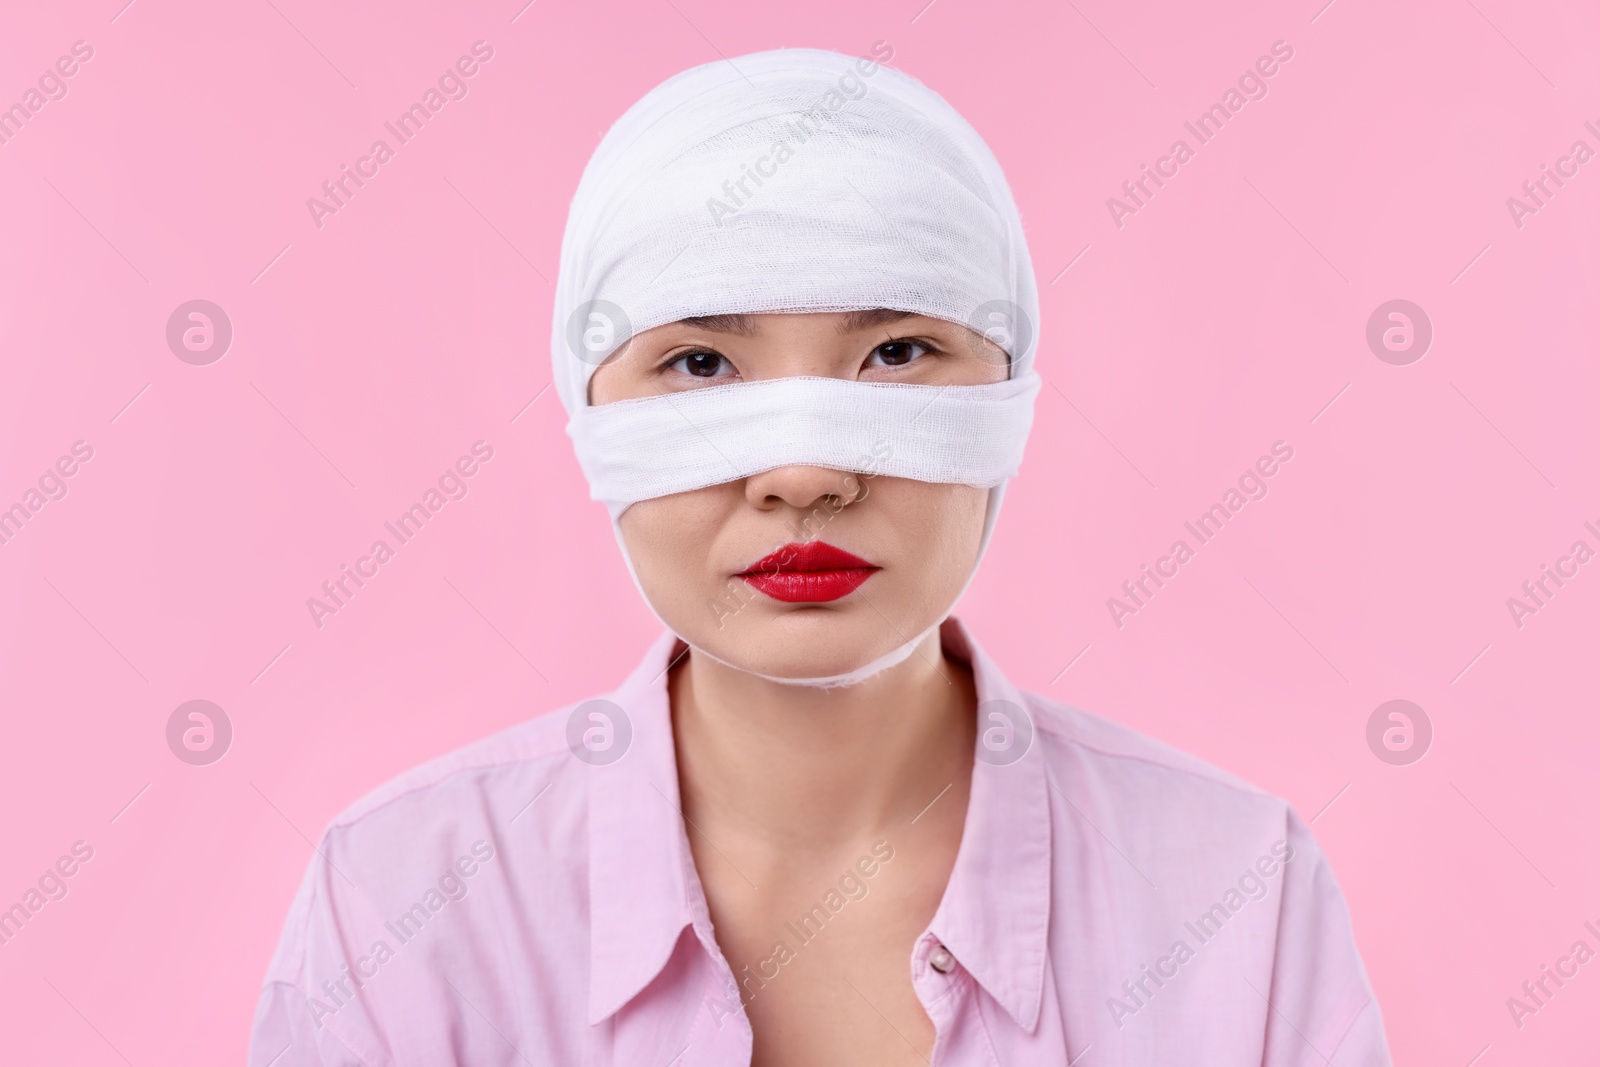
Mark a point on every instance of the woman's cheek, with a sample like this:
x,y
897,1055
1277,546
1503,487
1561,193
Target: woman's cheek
x,y
670,539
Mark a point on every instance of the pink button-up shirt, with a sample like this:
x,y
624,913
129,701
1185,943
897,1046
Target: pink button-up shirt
x,y
1113,902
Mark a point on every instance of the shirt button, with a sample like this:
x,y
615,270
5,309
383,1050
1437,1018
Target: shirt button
x,y
941,960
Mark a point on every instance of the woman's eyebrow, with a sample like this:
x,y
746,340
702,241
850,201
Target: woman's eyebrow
x,y
743,326
735,324
866,320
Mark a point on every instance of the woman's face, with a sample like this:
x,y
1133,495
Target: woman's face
x,y
724,566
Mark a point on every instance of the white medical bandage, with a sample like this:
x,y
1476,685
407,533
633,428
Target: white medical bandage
x,y
790,180
795,180
637,449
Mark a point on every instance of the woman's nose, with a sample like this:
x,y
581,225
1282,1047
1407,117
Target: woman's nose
x,y
803,487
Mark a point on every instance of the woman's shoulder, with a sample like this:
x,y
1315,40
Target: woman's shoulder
x,y
425,866
511,784
1173,816
1129,763
472,782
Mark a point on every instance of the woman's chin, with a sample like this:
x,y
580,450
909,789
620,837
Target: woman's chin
x,y
786,652
791,668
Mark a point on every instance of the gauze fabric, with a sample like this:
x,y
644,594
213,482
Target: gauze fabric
x,y
795,180
965,434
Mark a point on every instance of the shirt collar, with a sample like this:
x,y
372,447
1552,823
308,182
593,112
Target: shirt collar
x,y
995,913
639,861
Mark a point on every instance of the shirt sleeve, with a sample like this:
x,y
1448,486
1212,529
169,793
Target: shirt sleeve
x,y
1364,1043
297,1024
284,1035
1321,1009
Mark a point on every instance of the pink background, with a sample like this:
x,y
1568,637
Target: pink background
x,y
1224,316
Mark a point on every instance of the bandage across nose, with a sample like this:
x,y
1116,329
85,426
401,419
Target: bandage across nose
x,y
654,446
795,180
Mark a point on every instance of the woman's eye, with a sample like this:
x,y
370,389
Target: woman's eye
x,y
702,365
896,353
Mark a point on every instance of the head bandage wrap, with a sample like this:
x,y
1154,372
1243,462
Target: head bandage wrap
x,y
795,180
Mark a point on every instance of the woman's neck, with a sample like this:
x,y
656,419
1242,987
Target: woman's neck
x,y
812,770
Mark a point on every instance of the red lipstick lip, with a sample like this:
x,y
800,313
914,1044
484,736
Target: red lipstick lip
x,y
811,572
808,556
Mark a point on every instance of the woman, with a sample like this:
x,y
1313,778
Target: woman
x,y
794,330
